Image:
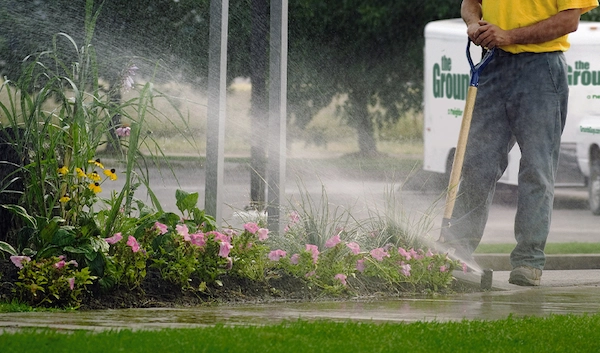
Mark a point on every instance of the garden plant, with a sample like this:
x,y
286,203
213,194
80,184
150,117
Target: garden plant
x,y
70,244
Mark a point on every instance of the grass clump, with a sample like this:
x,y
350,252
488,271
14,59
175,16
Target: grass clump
x,y
551,248
556,333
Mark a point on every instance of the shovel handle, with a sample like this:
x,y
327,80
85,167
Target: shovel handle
x,y
455,174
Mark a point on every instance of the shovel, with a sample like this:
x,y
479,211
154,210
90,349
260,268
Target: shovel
x,y
459,154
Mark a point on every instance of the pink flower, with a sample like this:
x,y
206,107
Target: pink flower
x,y
360,265
354,247
429,253
333,241
341,277
310,274
18,260
314,250
182,230
127,79
295,259
73,262
220,236
263,234
162,228
404,253
224,249
294,217
251,227
379,254
132,242
229,232
60,264
465,268
123,131
71,282
198,239
414,254
275,255
405,269
114,239
443,268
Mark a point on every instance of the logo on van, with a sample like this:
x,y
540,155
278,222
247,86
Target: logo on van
x,y
582,75
589,130
454,86
447,84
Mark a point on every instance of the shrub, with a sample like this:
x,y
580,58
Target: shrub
x,y
51,282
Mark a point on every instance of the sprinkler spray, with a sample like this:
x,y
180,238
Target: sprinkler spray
x,y
486,279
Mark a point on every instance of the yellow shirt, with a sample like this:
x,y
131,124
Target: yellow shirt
x,y
510,14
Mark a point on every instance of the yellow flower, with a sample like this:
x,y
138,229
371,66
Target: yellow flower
x,y
64,199
94,176
63,170
80,172
97,163
95,187
110,173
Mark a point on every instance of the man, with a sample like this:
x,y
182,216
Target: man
x,y
522,97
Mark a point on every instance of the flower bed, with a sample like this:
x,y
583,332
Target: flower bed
x,y
71,247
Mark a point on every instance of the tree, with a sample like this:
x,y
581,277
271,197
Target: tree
x,y
371,51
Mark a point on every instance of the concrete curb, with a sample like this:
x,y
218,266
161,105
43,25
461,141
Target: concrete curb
x,y
501,262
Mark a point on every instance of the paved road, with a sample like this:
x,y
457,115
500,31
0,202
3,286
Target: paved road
x,y
367,196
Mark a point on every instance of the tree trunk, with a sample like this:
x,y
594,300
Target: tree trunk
x,y
362,121
259,100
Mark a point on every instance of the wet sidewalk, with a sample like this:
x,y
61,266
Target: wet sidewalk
x,y
561,292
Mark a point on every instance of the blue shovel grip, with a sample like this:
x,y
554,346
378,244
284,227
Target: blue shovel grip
x,y
476,69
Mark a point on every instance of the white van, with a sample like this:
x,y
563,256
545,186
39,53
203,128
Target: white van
x,y
588,157
445,90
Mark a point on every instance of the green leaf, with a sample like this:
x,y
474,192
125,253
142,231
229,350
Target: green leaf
x,y
63,237
22,212
47,233
186,201
29,252
74,250
48,251
99,244
6,247
169,218
202,287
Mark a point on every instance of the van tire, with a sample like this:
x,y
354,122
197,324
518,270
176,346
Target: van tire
x,y
594,182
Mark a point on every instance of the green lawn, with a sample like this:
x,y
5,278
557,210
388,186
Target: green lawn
x,y
565,333
551,248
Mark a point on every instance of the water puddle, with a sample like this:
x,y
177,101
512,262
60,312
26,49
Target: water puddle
x,y
494,305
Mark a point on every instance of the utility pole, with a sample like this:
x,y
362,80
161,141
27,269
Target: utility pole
x,y
217,84
277,113
260,103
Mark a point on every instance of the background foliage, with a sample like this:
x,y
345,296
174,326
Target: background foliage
x,y
369,52
365,53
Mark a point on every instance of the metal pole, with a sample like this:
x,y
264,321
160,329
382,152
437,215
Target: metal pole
x,y
277,113
217,74
259,100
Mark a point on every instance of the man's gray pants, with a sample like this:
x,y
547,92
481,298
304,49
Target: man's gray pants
x,y
523,98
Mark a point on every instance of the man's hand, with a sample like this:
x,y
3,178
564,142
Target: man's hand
x,y
488,35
